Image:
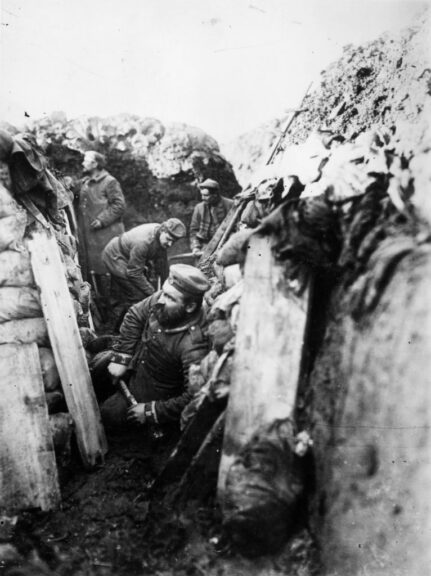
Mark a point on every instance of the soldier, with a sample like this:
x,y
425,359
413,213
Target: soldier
x,y
137,262
100,211
160,338
207,215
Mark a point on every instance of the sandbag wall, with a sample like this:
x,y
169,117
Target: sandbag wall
x,y
21,317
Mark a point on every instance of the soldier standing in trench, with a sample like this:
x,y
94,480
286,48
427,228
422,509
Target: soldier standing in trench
x,y
207,215
100,211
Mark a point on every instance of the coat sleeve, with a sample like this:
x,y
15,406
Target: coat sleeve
x,y
195,225
193,351
132,327
136,268
116,204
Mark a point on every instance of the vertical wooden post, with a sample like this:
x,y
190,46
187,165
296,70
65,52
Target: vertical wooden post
x,y
268,351
28,471
67,347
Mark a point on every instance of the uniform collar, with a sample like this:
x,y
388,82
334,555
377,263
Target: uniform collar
x,y
102,174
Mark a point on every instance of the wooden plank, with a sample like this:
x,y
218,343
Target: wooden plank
x,y
28,471
67,347
268,351
200,479
189,443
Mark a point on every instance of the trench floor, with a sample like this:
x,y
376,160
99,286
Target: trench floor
x,y
108,525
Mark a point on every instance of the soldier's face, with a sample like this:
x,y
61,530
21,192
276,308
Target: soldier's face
x,y
170,309
209,197
166,240
89,163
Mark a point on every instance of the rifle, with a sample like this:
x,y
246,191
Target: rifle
x,y
228,224
290,119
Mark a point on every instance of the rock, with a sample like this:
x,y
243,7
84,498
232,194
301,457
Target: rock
x,y
158,165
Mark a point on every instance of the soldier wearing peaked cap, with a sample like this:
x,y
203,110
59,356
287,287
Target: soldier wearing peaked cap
x,y
207,215
160,338
135,260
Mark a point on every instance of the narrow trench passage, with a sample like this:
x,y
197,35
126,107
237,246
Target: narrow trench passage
x,y
108,526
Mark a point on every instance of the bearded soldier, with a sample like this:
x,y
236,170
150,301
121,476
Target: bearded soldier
x,y
160,338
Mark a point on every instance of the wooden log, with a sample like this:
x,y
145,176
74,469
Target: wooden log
x,y
200,479
268,351
68,351
189,443
28,472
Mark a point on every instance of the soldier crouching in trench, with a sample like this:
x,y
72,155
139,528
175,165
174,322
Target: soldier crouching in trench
x,y
160,338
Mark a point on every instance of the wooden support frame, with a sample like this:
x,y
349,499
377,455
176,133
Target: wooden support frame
x,y
268,351
28,470
67,347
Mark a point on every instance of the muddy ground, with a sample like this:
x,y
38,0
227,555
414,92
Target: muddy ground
x,y
108,525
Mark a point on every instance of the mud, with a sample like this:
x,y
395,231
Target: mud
x,y
108,525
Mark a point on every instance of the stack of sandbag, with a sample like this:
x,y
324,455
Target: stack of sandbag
x,y
21,318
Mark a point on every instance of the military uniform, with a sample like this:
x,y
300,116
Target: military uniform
x,y
100,199
159,359
138,257
137,261
205,221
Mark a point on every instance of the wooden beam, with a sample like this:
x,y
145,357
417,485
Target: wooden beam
x,y
67,347
268,351
200,479
189,443
28,471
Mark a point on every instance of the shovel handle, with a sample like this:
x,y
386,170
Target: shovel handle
x,y
130,399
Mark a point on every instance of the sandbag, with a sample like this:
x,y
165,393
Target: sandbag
x,y
51,378
235,249
8,204
15,269
264,489
24,332
19,302
12,230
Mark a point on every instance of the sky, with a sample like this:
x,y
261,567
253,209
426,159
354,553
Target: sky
x,y
225,66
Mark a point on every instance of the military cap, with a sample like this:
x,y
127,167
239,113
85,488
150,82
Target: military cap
x,y
175,228
209,184
188,279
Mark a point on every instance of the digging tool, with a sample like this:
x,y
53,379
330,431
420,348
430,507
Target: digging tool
x,y
155,432
128,396
94,282
193,435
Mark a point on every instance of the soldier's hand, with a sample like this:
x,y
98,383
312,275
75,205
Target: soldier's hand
x,y
116,370
96,224
136,414
197,252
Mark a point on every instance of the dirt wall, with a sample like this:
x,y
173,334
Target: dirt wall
x,y
371,413
367,397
